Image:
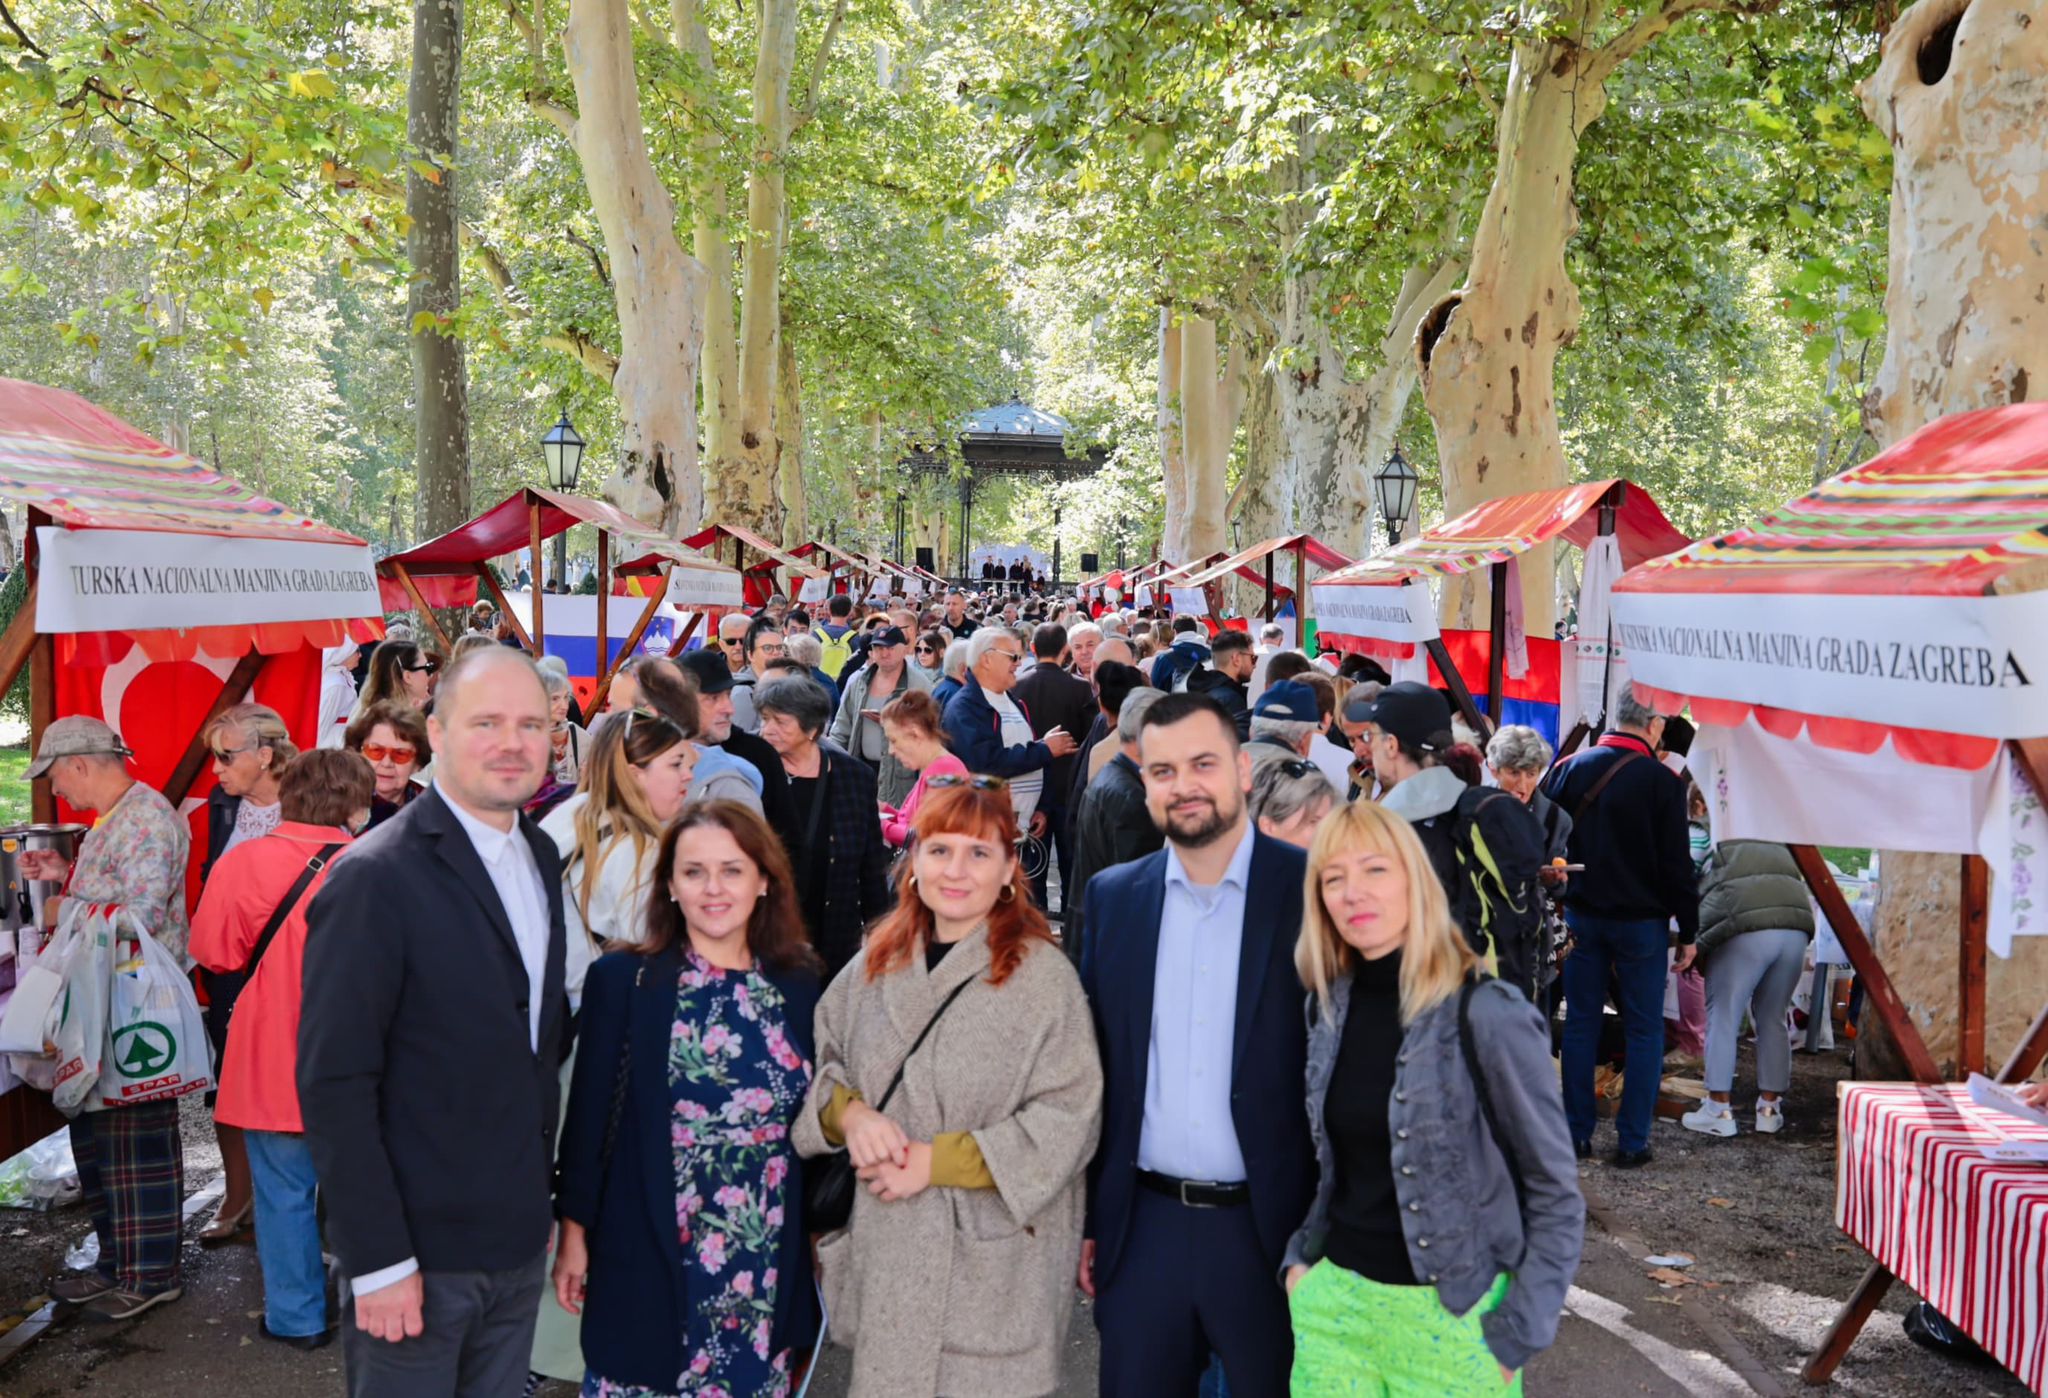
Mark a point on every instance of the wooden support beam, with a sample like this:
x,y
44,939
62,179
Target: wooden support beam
x,y
233,690
1497,638
1301,598
19,642
1848,1325
490,582
607,675
604,601
1976,901
1461,694
1877,985
2028,1053
412,590
1268,609
42,712
1580,732
540,626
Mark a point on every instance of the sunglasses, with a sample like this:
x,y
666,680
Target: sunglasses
x,y
1298,767
226,755
733,641
396,752
971,781
1015,657
427,667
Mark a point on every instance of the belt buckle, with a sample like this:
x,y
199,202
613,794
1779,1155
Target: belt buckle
x,y
1186,1202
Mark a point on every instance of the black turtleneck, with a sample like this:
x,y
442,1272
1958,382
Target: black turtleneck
x,y
1365,1216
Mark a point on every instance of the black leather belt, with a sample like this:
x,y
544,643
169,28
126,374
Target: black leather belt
x,y
1196,1194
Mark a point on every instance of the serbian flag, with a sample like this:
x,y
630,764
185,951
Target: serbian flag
x,y
1530,700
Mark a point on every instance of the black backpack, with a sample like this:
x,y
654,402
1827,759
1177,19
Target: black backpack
x,y
1497,900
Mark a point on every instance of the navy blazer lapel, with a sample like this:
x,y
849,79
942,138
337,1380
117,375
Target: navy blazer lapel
x,y
1143,972
1255,946
650,1023
456,851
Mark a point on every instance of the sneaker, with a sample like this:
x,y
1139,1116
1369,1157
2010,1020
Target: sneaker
x,y
1770,1117
80,1287
1629,1159
126,1305
299,1342
1711,1118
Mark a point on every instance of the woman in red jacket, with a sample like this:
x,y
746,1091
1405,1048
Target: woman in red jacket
x,y
252,918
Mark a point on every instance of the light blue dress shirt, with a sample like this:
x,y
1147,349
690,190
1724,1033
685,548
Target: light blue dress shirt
x,y
1188,1131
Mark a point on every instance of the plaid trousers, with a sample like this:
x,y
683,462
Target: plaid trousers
x,y
131,1168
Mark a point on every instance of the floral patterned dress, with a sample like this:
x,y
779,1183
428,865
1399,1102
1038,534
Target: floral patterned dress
x,y
737,1082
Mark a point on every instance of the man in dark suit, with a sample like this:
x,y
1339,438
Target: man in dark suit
x,y
1053,698
1206,1166
430,1041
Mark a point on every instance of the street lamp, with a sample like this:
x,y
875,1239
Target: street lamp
x,y
1393,490
901,498
562,448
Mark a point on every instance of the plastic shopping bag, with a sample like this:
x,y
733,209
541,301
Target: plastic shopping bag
x,y
156,1045
82,1012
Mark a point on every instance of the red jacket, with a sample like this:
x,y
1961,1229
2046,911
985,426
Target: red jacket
x,y
258,1072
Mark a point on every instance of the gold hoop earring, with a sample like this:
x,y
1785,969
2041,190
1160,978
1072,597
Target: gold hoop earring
x,y
913,881
1009,893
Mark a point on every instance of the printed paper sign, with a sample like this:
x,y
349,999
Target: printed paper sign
x,y
1188,601
1404,613
814,590
143,580
1950,664
705,587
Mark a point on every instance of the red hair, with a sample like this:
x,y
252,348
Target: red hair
x,y
1013,923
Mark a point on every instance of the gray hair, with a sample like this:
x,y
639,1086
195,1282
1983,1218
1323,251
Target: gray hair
x,y
796,697
804,648
1112,623
1278,797
984,640
1631,712
1288,730
1272,631
955,663
1080,629
1518,748
1131,717
552,680
262,727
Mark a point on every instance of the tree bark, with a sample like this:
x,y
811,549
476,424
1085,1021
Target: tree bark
x,y
711,240
1210,404
1173,536
658,286
789,432
1961,91
440,382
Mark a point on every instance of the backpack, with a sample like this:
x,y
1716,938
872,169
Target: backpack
x,y
1497,899
836,653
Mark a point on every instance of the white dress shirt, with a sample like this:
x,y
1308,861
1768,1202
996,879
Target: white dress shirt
x,y
508,859
1187,1131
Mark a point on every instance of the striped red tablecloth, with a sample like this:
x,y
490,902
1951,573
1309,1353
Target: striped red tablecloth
x,y
1969,1235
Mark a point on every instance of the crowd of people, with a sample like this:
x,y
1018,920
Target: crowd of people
x,y
992,946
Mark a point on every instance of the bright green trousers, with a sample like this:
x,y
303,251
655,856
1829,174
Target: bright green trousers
x,y
1355,1338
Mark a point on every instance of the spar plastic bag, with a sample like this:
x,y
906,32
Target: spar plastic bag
x,y
80,1029
156,1045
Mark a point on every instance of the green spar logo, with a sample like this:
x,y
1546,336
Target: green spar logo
x,y
144,1049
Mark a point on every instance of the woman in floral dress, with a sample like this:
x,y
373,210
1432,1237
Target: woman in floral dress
x,y
682,1241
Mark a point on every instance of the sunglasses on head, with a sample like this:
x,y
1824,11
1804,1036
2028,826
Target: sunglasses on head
x,y
972,781
1298,767
393,752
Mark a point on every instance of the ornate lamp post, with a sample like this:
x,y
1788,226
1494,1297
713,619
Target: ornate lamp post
x,y
562,448
1393,490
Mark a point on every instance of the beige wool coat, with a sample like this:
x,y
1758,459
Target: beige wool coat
x,y
962,1291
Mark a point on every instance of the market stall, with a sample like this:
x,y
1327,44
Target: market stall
x,y
447,571
1879,635
159,593
1383,605
1201,591
797,578
844,571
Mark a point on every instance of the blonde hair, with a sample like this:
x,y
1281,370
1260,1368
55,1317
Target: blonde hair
x,y
1435,957
617,812
262,726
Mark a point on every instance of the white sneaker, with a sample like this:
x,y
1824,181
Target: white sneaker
x,y
1770,1117
1710,1118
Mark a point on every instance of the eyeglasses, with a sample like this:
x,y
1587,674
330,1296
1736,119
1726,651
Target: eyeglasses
x,y
972,781
226,755
395,752
732,641
1015,657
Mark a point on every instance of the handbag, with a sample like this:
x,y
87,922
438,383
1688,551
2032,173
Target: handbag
x,y
829,1185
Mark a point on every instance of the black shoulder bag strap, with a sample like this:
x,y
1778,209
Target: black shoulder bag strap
x,y
918,1043
1478,1075
287,903
1593,794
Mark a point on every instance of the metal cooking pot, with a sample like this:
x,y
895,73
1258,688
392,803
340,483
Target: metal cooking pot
x,y
21,900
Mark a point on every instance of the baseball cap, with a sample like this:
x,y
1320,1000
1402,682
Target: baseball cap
x,y
712,674
1291,700
76,736
1414,713
889,636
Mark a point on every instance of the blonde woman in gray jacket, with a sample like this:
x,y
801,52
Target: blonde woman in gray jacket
x,y
858,725
956,1272
1447,1220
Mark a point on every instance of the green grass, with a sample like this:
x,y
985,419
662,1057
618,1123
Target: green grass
x,y
1849,859
13,786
